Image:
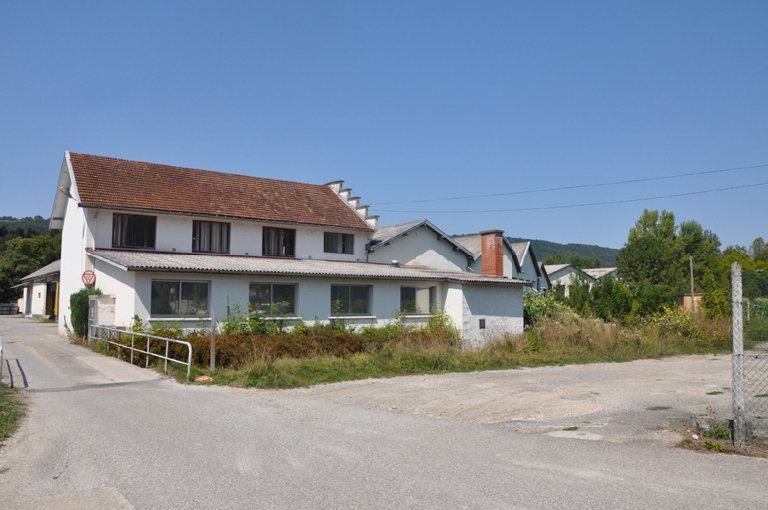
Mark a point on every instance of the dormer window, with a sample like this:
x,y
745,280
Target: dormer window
x,y
334,242
133,231
210,237
278,242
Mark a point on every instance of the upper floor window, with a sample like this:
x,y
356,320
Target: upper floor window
x,y
133,231
278,242
350,300
210,237
335,242
415,300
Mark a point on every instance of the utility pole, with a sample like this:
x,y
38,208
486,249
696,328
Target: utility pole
x,y
693,299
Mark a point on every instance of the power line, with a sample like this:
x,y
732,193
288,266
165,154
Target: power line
x,y
570,206
575,186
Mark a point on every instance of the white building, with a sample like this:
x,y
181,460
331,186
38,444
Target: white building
x,y
172,244
518,260
40,291
566,275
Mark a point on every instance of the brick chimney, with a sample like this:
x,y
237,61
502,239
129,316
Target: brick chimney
x,y
493,252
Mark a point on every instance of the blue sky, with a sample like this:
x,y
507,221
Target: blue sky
x,y
408,101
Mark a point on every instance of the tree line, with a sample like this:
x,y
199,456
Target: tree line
x,y
24,251
654,267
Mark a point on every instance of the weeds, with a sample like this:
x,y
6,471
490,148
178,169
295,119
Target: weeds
x,y
715,447
11,411
718,431
322,352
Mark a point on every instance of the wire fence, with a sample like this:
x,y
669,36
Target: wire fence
x,y
750,361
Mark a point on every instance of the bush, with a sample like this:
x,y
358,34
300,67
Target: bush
x,y
538,306
78,304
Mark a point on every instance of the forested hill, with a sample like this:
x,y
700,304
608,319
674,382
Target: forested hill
x,y
37,224
544,248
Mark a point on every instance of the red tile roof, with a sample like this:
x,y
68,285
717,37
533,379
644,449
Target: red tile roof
x,y
132,185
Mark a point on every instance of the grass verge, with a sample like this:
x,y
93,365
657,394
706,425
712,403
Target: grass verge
x,y
11,411
579,342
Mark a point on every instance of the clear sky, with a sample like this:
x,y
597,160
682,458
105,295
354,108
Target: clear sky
x,y
408,101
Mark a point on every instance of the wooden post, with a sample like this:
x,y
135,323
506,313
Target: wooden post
x,y
213,340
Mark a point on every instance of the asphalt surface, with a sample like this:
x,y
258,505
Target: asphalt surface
x,y
100,433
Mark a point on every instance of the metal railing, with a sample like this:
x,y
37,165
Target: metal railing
x,y
9,309
1,358
120,337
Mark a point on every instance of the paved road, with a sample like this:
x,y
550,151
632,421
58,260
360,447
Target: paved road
x,y
103,434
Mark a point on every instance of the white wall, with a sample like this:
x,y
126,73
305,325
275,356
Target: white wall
x,y
313,300
115,282
174,233
34,296
74,240
421,248
500,306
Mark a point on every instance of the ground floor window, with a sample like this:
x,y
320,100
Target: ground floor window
x,y
418,300
350,299
179,298
272,298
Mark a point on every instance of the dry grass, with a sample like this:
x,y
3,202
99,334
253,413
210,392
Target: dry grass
x,y
552,342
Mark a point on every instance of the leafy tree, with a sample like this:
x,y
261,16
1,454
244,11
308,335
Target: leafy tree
x,y
22,256
554,258
654,262
758,250
650,261
582,262
611,299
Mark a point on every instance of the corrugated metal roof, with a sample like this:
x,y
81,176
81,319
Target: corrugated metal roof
x,y
599,272
230,264
122,184
389,231
50,269
472,242
386,235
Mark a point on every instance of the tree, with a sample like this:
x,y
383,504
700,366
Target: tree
x,y
654,262
611,299
758,250
23,256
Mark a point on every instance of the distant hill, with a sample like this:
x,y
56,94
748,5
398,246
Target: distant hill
x,y
543,248
37,224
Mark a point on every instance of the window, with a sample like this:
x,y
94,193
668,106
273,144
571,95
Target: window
x,y
350,299
210,237
177,298
133,231
278,242
414,300
272,298
338,243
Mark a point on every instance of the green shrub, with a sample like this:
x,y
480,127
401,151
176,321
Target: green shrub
x,y
538,306
78,304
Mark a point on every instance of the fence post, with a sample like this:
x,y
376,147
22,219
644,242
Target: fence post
x,y
739,418
213,340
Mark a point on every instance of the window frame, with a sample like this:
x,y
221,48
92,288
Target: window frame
x,y
431,299
349,308
339,242
285,244
124,227
199,237
180,291
289,313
